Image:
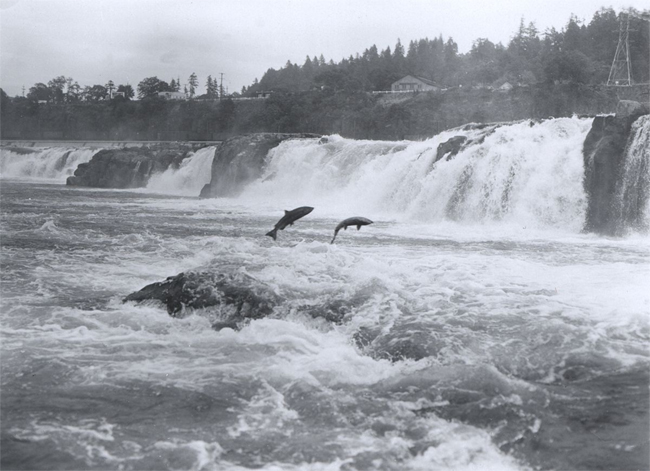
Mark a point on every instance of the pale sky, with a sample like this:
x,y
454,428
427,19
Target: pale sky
x,y
94,41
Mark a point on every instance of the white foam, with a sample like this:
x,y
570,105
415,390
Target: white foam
x,y
49,164
193,173
518,174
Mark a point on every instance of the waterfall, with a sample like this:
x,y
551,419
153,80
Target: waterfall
x,y
633,211
188,179
523,173
53,164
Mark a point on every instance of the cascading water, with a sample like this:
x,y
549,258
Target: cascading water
x,y
527,174
634,186
188,178
53,164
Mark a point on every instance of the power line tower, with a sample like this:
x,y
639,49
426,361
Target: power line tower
x,y
620,73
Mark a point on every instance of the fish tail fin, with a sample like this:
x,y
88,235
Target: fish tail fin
x,y
273,233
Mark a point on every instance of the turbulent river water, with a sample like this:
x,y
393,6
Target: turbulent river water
x,y
476,326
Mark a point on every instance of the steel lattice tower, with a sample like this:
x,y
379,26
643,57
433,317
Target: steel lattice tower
x,y
621,72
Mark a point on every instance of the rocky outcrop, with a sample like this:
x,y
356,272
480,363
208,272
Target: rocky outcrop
x,y
450,147
604,154
455,144
240,160
241,296
230,299
129,167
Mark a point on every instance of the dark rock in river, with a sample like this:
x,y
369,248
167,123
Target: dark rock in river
x,y
604,154
234,298
450,147
128,167
240,160
244,296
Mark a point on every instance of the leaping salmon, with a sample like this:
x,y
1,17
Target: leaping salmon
x,y
288,219
355,221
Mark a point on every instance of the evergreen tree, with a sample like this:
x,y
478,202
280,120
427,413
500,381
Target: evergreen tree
x,y
193,83
399,60
212,87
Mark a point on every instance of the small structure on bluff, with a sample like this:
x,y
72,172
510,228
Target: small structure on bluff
x,y
172,95
411,83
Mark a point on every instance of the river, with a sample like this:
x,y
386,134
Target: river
x,y
472,326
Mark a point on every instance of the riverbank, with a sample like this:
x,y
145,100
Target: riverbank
x,y
358,115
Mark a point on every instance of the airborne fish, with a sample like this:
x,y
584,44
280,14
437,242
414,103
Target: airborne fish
x,y
288,219
355,221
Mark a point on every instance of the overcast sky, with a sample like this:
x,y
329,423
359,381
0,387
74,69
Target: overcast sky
x,y
94,41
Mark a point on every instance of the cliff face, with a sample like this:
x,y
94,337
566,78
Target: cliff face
x,y
240,160
605,152
127,168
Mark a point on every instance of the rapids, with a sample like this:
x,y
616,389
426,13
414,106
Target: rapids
x,y
480,328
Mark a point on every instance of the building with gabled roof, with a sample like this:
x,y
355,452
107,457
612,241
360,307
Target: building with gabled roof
x,y
412,83
173,95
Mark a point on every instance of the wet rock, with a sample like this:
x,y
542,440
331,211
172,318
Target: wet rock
x,y
235,298
450,147
240,160
129,167
245,297
604,153
631,109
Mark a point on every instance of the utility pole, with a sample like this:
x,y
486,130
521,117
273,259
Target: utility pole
x,y
221,87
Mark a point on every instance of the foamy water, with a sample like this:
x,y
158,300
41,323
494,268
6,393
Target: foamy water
x,y
478,343
188,180
53,164
518,174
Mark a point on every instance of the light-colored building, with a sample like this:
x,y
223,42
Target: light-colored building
x,y
173,95
411,83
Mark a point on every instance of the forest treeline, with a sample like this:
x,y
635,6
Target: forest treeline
x,y
580,52
554,73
